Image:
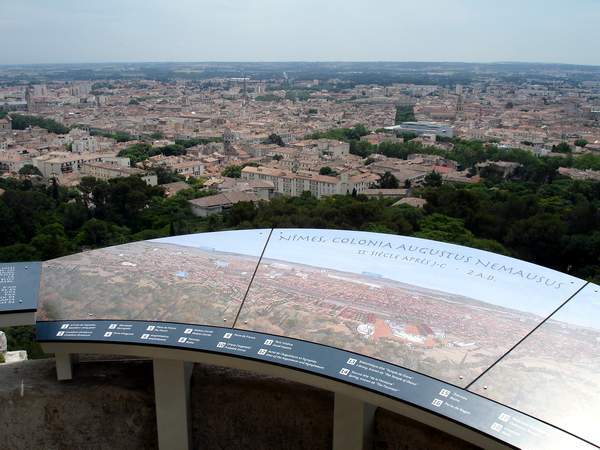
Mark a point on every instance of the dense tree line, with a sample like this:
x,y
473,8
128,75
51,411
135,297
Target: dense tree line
x,y
43,222
556,225
187,143
142,151
22,122
342,134
119,136
268,98
554,222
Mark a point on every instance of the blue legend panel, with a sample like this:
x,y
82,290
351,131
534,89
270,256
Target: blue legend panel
x,y
471,410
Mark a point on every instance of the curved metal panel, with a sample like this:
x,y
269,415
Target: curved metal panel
x,y
461,407
554,374
440,309
410,319
198,278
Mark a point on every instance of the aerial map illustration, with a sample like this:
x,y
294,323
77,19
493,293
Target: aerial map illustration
x,y
322,286
192,280
553,374
445,311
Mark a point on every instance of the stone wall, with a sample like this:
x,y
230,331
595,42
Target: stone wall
x,y
110,405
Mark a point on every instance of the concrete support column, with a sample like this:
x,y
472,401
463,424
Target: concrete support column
x,y
64,365
352,424
172,397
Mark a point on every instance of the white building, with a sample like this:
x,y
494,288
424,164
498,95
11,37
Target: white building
x,y
57,163
295,183
86,144
107,171
419,128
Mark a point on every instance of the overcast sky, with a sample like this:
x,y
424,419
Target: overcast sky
x,y
47,31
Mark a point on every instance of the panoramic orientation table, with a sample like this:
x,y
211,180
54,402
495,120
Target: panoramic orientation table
x,y
497,351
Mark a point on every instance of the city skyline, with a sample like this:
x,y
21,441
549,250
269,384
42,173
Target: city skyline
x,y
398,197
266,30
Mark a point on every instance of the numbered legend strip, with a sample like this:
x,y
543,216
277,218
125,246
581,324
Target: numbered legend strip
x,y
481,414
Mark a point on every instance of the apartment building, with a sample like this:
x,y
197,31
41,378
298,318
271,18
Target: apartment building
x,y
57,163
107,171
323,147
181,165
295,183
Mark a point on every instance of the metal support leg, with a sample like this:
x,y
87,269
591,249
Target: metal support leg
x,y
352,424
172,397
64,365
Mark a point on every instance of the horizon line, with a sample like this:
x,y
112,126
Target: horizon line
x,y
299,61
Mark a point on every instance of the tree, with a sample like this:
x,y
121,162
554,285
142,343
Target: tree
x,y
588,161
581,143
164,175
137,152
126,199
408,136
119,136
22,122
75,214
30,210
362,148
447,229
187,143
98,233
86,187
563,147
156,135
11,230
433,179
23,338
358,131
29,169
342,134
267,98
51,242
232,171
54,190
19,252
326,171
170,150
538,238
274,138
388,181
404,113
242,212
